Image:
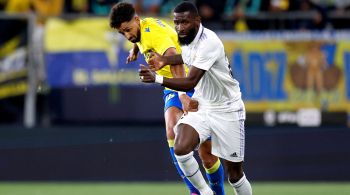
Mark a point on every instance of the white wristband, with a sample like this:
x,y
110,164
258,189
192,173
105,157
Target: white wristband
x,y
159,79
181,93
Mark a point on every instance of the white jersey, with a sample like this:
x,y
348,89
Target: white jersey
x,y
221,112
216,89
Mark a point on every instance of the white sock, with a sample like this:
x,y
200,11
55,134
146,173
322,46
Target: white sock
x,y
190,168
242,187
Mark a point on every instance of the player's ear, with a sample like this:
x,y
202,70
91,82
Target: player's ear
x,y
137,18
198,19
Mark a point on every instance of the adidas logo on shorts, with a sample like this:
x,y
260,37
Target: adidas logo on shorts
x,y
234,154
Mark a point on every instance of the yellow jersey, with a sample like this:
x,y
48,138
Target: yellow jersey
x,y
158,36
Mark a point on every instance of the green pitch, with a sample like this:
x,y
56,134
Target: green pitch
x,y
110,188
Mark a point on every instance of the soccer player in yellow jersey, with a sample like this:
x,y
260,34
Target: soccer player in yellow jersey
x,y
153,35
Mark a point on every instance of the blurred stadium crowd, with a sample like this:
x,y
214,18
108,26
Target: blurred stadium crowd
x,y
239,15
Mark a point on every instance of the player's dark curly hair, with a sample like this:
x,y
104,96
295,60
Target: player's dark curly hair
x,y
186,6
120,12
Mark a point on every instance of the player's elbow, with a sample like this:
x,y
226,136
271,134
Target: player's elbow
x,y
170,51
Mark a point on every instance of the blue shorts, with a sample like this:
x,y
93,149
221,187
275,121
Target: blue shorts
x,y
171,98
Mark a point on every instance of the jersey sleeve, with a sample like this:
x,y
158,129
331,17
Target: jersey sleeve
x,y
206,54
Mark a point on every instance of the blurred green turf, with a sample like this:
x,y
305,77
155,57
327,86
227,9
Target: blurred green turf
x,y
110,188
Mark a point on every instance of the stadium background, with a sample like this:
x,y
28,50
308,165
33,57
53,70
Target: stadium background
x,y
72,111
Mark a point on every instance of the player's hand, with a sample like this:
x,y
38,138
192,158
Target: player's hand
x,y
188,104
132,56
146,75
156,61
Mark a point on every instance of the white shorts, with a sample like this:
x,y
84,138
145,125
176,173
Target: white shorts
x,y
226,130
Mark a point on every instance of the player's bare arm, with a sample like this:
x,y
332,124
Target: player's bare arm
x,y
177,70
158,61
133,54
181,84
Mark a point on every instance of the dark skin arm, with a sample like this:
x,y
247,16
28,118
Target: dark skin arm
x,y
180,84
177,70
158,61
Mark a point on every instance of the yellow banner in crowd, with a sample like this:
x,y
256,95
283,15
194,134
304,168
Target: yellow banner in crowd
x,y
13,61
291,73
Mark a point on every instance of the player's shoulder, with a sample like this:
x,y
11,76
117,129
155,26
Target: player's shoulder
x,y
209,38
154,22
148,20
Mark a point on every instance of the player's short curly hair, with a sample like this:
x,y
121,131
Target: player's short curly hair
x,y
121,12
186,6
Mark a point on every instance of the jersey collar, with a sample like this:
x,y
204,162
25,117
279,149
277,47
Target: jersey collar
x,y
199,33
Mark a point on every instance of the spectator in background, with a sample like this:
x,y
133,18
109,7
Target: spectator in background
x,y
97,7
279,5
18,6
102,7
168,6
211,12
237,10
76,6
147,7
319,19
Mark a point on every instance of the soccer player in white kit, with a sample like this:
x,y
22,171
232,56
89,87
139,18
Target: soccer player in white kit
x,y
221,112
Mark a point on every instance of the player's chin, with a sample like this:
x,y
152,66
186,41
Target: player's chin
x,y
133,40
184,40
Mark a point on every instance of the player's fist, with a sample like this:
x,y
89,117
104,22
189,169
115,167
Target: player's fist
x,y
188,104
146,75
132,56
156,61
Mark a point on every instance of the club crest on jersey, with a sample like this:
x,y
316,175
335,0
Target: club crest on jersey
x,y
147,29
